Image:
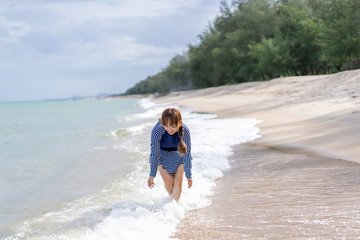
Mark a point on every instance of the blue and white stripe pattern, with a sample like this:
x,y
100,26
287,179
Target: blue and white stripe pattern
x,y
169,159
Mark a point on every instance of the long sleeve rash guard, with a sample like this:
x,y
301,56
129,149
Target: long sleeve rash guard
x,y
157,134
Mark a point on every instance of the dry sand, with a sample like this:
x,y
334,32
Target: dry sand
x,y
300,179
316,113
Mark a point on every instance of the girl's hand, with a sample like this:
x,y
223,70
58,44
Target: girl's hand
x,y
151,183
189,183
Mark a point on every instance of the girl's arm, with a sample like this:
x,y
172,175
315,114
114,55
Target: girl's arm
x,y
187,158
155,148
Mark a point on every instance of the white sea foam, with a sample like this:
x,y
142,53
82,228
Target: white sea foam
x,y
154,215
127,208
130,130
152,110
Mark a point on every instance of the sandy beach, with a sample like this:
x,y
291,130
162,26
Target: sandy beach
x,y
316,113
308,156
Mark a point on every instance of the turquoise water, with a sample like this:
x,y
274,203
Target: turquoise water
x,y
48,152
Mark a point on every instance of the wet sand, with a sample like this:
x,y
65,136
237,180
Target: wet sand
x,y
300,180
280,194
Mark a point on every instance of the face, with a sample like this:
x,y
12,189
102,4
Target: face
x,y
171,129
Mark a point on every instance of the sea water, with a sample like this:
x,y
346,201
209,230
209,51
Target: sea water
x,y
79,169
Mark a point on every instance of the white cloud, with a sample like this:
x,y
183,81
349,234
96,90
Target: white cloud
x,y
90,10
10,31
95,42
125,49
84,33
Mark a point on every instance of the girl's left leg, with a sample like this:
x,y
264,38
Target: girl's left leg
x,y
178,179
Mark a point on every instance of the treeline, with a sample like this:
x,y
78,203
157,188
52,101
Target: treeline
x,y
254,40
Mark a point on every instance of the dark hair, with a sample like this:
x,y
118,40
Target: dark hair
x,y
172,116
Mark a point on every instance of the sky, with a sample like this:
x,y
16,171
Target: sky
x,y
63,48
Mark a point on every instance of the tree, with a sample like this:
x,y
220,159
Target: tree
x,y
201,60
293,49
178,73
222,57
339,21
175,76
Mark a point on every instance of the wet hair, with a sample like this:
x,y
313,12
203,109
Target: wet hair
x,y
172,116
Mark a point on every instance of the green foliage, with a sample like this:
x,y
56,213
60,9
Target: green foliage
x,y
176,76
293,49
225,48
201,60
254,40
340,32
177,73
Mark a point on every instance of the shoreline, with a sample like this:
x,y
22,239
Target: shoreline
x,y
316,118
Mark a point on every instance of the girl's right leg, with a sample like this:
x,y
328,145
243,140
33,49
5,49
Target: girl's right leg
x,y
167,178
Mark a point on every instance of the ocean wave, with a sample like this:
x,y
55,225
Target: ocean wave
x,y
130,130
152,110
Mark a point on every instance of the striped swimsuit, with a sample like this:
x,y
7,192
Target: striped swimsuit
x,y
164,151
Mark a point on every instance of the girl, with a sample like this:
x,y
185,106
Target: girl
x,y
171,152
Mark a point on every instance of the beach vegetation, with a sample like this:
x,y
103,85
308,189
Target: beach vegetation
x,y
255,40
176,76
